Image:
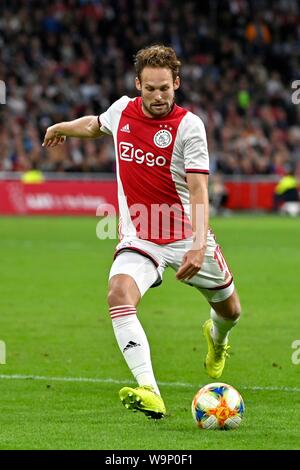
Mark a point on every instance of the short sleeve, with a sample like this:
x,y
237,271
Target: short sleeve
x,y
196,158
108,119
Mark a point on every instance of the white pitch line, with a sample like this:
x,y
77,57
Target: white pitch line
x,y
120,382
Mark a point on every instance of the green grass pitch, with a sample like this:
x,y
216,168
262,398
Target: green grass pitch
x,y
54,322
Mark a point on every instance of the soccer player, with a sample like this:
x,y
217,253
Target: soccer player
x,y
162,174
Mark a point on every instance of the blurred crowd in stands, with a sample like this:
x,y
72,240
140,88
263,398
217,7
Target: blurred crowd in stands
x,y
67,58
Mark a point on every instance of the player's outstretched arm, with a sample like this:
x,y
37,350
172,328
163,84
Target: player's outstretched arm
x,y
85,127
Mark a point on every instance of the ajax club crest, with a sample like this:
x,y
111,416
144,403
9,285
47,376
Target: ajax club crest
x,y
162,138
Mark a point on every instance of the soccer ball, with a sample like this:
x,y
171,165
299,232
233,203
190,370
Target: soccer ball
x,y
218,406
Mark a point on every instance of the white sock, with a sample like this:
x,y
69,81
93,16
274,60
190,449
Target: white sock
x,y
133,344
221,327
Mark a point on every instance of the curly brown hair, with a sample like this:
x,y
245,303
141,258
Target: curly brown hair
x,y
159,56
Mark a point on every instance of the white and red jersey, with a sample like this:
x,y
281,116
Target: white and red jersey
x,y
153,156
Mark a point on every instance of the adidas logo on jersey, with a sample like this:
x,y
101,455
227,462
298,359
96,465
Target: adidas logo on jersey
x,y
125,128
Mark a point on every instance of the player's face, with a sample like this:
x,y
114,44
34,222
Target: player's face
x,y
157,88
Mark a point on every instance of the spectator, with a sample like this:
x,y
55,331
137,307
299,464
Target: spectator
x,y
32,175
286,195
73,57
218,195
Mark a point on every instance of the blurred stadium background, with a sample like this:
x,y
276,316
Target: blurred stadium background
x,y
62,59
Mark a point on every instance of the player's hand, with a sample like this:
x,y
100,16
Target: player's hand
x,y
53,138
191,264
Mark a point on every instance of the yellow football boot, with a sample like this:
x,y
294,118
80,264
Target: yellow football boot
x,y
216,355
143,399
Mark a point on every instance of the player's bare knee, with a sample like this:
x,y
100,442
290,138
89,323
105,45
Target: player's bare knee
x,y
117,296
120,292
229,309
237,309
234,310
236,313
230,314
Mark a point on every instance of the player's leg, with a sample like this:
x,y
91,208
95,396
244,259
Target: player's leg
x,y
215,282
130,277
224,315
123,298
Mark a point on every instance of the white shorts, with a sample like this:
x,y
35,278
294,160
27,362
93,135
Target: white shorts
x,y
145,262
